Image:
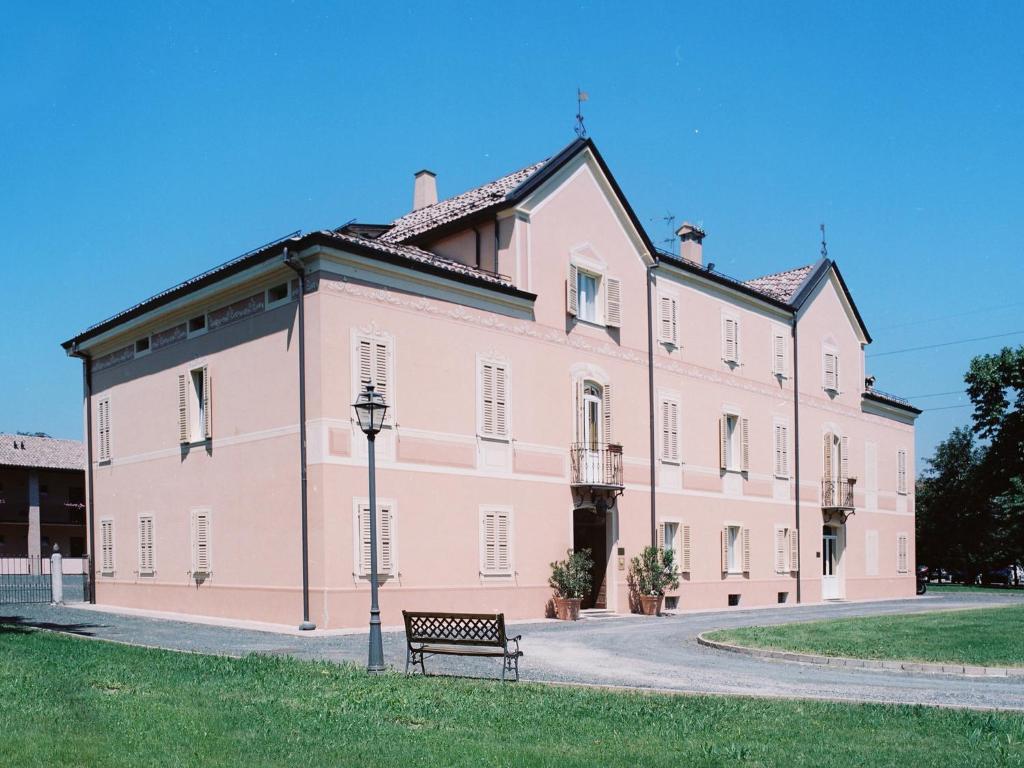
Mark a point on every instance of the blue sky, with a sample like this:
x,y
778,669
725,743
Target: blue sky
x,y
143,143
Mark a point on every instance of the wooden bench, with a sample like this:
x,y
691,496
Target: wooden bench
x,y
459,634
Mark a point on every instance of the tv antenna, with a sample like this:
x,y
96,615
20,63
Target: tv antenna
x,y
581,129
824,245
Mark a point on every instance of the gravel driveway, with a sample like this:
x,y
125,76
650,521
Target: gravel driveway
x,y
633,651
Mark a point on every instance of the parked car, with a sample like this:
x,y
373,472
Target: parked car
x,y
1010,576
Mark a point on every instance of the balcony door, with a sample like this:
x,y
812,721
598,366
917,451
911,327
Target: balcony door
x,y
593,428
831,557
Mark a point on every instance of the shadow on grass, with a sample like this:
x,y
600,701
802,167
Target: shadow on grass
x,y
20,625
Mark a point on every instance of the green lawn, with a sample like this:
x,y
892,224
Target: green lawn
x,y
938,589
72,702
985,636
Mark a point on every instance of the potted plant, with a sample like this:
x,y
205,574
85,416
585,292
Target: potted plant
x,y
570,578
652,573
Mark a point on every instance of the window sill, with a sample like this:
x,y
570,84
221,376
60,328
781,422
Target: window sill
x,y
497,576
592,323
494,438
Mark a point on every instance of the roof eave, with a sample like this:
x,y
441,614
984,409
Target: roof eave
x,y
726,282
892,403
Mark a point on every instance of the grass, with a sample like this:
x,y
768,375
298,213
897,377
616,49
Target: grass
x,y
985,636
73,702
975,588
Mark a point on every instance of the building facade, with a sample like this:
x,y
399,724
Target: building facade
x,y
554,382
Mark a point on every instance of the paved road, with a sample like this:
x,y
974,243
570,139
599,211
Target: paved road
x,y
641,652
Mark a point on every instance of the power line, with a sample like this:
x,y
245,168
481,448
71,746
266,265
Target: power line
x,y
951,316
936,394
950,407
945,344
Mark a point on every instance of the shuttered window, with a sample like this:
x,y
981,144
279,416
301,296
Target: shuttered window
x,y
844,457
685,564
146,560
778,354
734,442
794,550
572,296
730,340
195,401
781,451
103,428
735,549
107,547
901,471
202,561
386,549
670,431
612,302
495,542
668,332
374,365
902,556
781,550
493,399
831,367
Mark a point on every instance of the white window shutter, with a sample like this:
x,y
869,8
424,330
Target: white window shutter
x,y
145,545
901,553
779,355
606,397
674,431
745,437
844,457
746,550
581,411
725,549
794,550
730,333
661,536
901,471
201,560
365,363
107,546
103,425
207,403
489,542
500,401
503,542
736,341
830,371
723,441
386,541
778,451
665,435
613,302
668,321
784,438
572,291
487,386
827,456
837,388
780,550
364,540
685,564
183,398
382,370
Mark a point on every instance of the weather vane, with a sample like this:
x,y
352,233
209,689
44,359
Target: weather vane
x,y
581,129
824,245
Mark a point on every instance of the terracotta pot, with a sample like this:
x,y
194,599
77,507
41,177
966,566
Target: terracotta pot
x,y
567,608
650,605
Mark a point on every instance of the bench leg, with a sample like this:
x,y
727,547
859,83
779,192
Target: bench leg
x,y
408,655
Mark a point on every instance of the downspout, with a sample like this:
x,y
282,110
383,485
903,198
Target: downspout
x,y
796,450
497,243
90,516
300,270
476,232
650,399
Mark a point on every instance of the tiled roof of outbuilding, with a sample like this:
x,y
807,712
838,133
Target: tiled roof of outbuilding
x,y
455,208
41,452
782,286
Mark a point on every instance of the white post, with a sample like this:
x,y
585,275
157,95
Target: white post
x,y
56,577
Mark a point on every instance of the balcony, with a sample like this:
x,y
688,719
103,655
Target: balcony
x,y
597,467
837,494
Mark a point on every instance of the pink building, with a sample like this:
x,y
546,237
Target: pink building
x,y
546,368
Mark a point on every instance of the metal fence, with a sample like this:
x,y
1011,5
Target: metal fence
x,y
28,579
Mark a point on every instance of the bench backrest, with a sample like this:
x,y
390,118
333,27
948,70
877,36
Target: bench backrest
x,y
455,628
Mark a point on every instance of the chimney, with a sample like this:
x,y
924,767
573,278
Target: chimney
x,y
690,239
424,191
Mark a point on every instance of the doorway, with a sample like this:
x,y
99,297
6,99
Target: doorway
x,y
592,428
831,556
590,531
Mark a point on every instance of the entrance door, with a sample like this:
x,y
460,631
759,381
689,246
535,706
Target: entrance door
x,y
590,531
831,588
592,433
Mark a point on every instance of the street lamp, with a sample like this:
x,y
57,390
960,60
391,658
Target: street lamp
x,y
370,409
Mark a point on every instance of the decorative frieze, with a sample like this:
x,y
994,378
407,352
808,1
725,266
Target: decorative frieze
x,y
113,358
170,336
236,311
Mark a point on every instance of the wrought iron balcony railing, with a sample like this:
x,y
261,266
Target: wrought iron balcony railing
x,y
837,494
600,466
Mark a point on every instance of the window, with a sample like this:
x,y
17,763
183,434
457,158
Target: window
x,y
675,537
142,346
778,354
493,394
202,561
670,431
588,292
586,285
386,539
730,339
830,368
667,321
734,440
374,364
146,567
901,472
735,549
103,427
902,559
784,549
197,325
194,413
781,451
107,547
495,542
277,294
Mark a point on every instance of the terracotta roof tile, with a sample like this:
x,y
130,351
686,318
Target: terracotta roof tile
x,y
781,286
41,452
455,208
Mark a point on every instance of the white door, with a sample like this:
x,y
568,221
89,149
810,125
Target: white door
x,y
831,588
592,425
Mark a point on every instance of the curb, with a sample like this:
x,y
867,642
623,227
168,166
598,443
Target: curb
x,y
919,667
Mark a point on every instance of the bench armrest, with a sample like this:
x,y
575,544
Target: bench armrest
x,y
515,640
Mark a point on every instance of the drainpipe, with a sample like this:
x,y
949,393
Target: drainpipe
x,y
796,449
476,233
497,243
650,399
90,516
299,269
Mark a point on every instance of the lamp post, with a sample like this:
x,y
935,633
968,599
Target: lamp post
x,y
370,408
